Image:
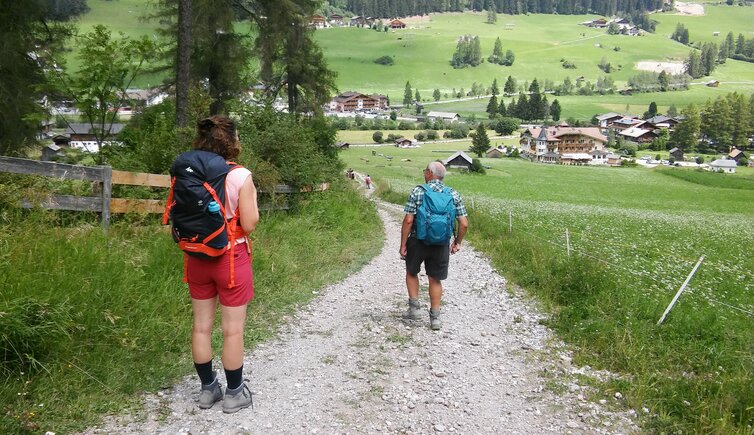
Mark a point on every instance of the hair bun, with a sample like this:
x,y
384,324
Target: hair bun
x,y
206,124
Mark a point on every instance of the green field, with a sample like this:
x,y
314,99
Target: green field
x,y
635,234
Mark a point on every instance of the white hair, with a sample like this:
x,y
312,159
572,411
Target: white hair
x,y
437,169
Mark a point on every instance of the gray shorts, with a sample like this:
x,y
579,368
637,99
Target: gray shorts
x,y
434,257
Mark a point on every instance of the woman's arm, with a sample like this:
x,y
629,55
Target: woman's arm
x,y
247,205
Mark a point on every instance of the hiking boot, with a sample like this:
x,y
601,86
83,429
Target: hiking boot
x,y
210,394
414,311
434,320
238,399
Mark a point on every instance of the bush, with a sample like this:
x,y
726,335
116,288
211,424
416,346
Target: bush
x,y
420,136
308,156
384,60
567,64
432,135
476,166
405,125
377,137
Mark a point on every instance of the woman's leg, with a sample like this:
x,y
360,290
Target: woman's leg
x,y
233,324
201,336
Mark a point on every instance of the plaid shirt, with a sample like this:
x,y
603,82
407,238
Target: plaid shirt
x,y
417,195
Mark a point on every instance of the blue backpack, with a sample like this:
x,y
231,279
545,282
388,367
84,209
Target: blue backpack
x,y
435,217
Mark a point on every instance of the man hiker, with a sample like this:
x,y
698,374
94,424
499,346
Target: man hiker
x,y
426,233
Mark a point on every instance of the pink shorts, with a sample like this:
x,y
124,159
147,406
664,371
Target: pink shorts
x,y
208,278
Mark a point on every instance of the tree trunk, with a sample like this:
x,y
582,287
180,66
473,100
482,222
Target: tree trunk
x,y
183,63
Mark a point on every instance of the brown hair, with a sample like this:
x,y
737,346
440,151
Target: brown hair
x,y
218,135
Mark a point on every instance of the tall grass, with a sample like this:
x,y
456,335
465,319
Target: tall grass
x,y
82,312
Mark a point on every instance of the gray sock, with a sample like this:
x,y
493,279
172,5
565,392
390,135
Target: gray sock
x,y
434,313
413,303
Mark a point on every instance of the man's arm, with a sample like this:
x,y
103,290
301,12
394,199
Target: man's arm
x,y
408,222
463,225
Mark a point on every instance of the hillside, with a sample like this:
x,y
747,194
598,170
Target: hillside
x,y
423,50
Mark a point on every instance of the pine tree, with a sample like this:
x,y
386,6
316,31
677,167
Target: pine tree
x,y
686,133
672,111
491,15
510,86
436,95
492,106
662,79
481,142
497,52
651,111
741,120
555,110
740,44
708,57
522,107
494,88
693,65
501,109
407,95
730,43
417,96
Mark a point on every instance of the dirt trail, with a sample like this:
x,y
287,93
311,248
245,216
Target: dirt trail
x,y
348,363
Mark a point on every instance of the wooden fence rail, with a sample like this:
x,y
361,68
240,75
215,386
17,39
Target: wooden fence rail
x,y
104,177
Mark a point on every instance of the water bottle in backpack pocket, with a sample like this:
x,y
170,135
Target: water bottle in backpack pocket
x,y
435,217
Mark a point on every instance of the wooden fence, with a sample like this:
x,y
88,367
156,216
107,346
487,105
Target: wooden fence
x,y
104,177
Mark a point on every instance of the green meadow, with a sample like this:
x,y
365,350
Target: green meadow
x,y
635,234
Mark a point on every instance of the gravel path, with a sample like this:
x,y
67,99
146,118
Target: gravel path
x,y
348,364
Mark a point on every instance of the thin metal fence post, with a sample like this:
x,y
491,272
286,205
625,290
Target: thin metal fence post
x,y
678,294
510,221
568,243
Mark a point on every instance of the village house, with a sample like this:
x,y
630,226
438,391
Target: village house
x,y
495,152
397,24
723,165
562,143
638,135
625,122
82,137
403,142
443,116
52,152
598,23
661,121
613,160
356,101
676,153
336,20
736,155
318,21
608,118
459,160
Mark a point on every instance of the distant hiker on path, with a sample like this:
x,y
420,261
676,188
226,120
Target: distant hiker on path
x,y
431,211
368,181
219,198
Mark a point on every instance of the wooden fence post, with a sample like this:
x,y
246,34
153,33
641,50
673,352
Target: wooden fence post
x,y
568,243
678,294
107,193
